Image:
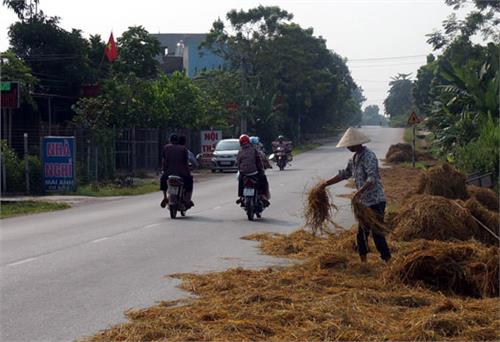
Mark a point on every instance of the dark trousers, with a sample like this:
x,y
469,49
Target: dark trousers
x,y
378,237
188,183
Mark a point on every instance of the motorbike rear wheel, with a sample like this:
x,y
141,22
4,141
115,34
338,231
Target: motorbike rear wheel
x,y
249,207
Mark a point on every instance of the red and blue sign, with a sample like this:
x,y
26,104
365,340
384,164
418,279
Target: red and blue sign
x,y
59,163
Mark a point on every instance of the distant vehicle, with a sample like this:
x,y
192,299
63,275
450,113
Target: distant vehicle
x,y
224,156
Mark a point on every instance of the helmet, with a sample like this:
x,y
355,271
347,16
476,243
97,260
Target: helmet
x,y
281,138
174,138
254,140
244,139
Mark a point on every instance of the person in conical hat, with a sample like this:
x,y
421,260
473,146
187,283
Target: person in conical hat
x,y
364,168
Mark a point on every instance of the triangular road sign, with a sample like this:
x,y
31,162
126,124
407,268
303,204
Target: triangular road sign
x,y
413,119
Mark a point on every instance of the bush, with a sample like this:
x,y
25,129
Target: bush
x,y
482,153
13,169
14,172
35,174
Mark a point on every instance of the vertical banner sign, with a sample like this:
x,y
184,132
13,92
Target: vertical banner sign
x,y
208,141
59,163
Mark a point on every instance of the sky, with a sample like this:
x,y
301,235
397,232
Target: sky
x,y
380,38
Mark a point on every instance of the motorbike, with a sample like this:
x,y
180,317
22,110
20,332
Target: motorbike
x,y
252,203
175,193
281,157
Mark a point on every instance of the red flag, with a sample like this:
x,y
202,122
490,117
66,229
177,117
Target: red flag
x,y
110,50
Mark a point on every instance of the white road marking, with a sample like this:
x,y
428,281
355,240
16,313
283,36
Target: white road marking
x,y
218,207
99,240
152,225
21,262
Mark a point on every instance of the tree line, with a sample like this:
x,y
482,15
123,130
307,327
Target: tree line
x,y
280,78
457,90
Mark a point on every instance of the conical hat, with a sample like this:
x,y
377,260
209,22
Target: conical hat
x,y
353,137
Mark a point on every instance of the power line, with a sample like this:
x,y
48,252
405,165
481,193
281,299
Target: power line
x,y
384,65
384,58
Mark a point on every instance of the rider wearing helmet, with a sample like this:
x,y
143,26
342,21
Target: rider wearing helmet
x,y
175,162
249,161
287,145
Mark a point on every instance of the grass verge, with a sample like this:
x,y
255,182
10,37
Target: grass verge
x,y
9,209
304,148
103,190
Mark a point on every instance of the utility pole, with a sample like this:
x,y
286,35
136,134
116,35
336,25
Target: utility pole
x,y
244,107
26,164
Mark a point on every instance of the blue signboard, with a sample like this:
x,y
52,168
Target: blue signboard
x,y
59,163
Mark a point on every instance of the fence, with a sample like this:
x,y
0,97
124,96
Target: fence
x,y
99,155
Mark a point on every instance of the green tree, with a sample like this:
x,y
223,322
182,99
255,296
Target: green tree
x,y
483,19
137,51
22,8
58,58
292,83
14,69
422,86
399,101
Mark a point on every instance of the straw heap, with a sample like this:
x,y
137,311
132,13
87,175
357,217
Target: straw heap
x,y
399,153
466,268
330,296
443,180
318,209
434,218
486,197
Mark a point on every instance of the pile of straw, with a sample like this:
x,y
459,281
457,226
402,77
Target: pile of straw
x,y
466,268
490,219
486,197
434,218
399,153
330,296
318,209
443,180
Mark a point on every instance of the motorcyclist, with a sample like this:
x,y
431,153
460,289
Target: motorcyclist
x,y
249,161
286,145
255,141
175,162
191,157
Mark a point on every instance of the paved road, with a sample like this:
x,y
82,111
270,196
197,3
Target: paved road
x,y
70,273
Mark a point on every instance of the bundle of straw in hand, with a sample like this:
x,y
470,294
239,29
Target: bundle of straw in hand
x,y
319,209
366,217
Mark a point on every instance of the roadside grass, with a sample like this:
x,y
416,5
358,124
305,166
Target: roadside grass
x,y
304,148
418,165
103,190
9,209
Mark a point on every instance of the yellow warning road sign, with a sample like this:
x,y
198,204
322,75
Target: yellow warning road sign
x,y
413,119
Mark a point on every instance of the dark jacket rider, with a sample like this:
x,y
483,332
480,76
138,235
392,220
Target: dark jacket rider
x,y
175,162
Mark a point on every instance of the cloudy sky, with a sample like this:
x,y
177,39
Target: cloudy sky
x,y
380,38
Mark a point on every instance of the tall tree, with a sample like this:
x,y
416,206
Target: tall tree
x,y
137,51
289,78
399,101
484,19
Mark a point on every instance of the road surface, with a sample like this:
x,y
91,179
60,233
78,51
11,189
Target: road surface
x,y
70,273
